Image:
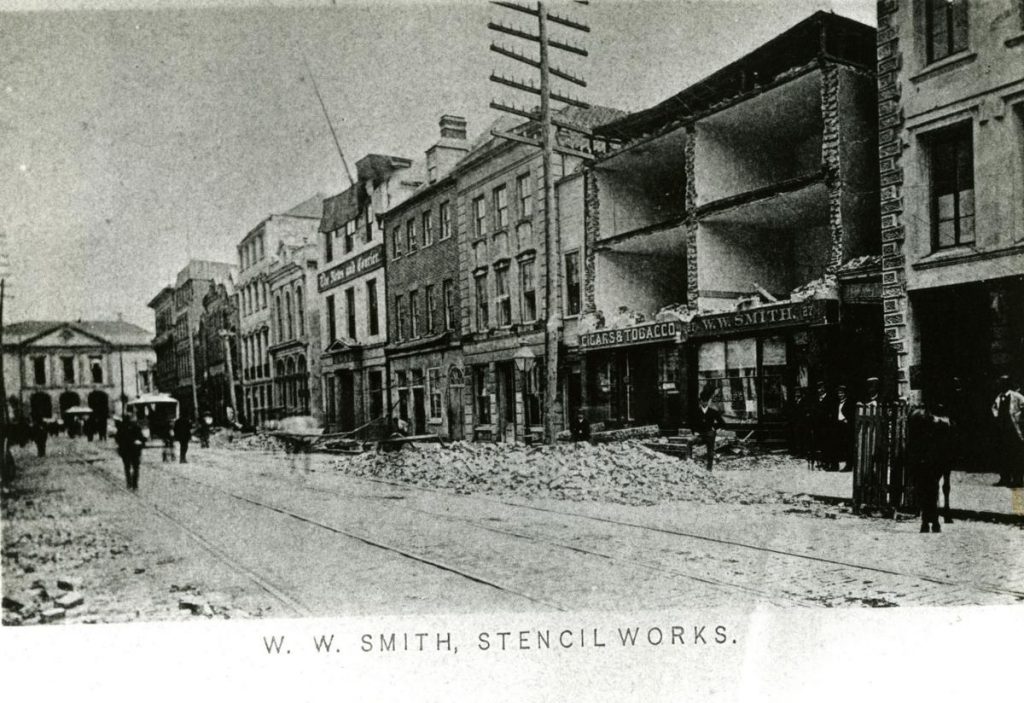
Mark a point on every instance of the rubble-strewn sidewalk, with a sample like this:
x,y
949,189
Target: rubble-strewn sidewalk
x,y
73,550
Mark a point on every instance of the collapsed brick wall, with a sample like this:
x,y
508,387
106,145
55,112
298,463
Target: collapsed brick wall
x,y
830,159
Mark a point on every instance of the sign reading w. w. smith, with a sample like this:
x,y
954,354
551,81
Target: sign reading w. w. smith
x,y
351,268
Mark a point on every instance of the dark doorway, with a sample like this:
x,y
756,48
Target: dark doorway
x,y
346,401
419,415
68,399
505,377
455,403
956,342
41,405
99,403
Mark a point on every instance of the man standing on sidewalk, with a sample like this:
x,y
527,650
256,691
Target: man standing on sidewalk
x,y
1008,410
706,422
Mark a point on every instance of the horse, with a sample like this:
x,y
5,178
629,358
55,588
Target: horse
x,y
929,458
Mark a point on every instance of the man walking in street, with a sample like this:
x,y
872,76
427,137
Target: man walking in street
x,y
205,423
705,424
39,436
183,433
1008,411
129,445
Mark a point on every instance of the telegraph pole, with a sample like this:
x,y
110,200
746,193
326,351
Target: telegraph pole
x,y
548,146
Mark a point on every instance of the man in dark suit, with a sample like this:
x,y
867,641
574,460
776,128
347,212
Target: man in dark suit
x,y
820,425
183,433
129,445
845,412
705,424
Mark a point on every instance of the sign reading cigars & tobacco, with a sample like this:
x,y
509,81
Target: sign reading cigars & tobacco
x,y
349,269
640,334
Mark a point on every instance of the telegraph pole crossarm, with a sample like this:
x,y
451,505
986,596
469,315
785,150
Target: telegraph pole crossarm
x,y
548,145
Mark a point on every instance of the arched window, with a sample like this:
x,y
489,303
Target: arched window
x,y
300,311
288,313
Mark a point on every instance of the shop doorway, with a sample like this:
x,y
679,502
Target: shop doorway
x,y
456,407
419,415
505,381
346,401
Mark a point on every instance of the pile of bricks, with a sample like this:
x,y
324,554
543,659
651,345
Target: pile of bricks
x,y
43,602
623,472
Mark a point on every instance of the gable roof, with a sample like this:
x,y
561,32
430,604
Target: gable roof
x,y
113,332
312,208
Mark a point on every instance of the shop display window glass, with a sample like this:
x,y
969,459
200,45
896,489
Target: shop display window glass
x,y
747,390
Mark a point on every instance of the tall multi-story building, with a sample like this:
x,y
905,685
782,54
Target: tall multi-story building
x,y
720,239
191,286
217,334
165,373
351,289
52,366
424,348
951,147
295,330
255,251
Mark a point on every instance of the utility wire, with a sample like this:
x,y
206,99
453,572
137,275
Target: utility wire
x,y
319,97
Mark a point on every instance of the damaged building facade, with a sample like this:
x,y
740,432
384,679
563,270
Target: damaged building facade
x,y
728,242
951,146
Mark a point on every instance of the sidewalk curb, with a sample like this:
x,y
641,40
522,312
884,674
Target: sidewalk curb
x,y
956,513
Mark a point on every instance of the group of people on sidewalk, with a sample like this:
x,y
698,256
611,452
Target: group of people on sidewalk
x,y
826,427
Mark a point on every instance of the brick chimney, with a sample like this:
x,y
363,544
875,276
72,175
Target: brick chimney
x,y
451,147
453,127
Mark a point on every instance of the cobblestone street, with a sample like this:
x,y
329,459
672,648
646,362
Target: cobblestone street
x,y
241,534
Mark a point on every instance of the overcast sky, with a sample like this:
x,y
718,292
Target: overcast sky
x,y
132,139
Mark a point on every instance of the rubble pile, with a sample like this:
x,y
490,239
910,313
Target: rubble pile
x,y
627,473
259,442
824,288
45,601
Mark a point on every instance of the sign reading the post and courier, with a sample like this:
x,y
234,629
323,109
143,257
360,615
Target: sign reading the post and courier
x,y
806,312
351,268
641,334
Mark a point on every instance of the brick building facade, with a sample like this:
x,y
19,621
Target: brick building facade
x,y
424,350
951,167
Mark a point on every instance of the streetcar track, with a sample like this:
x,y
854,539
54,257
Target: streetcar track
x,y
720,584
336,530
276,592
582,516
707,538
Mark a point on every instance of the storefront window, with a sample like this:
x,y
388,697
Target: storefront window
x,y
668,370
745,391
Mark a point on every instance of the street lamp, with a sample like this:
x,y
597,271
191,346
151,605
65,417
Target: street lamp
x,y
226,335
525,359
